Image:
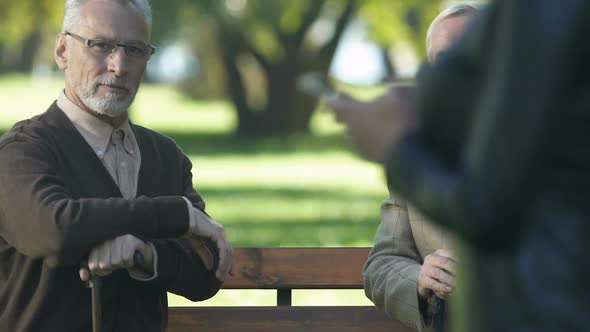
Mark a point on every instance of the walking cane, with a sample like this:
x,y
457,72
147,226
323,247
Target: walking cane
x,y
95,284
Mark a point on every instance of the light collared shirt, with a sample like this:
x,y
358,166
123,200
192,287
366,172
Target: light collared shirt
x,y
118,151
116,148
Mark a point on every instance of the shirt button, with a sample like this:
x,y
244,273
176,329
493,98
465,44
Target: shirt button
x,y
124,164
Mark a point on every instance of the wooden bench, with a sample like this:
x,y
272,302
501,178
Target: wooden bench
x,y
285,269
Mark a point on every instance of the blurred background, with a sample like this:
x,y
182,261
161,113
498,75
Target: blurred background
x,y
271,166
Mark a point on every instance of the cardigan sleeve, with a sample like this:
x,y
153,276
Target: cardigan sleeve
x,y
41,219
181,270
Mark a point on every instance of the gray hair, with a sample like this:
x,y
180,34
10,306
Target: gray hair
x,y
73,7
457,9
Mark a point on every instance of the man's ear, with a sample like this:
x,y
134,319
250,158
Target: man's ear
x,y
60,53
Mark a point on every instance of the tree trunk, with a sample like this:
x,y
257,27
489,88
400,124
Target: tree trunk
x,y
390,72
247,119
287,110
22,57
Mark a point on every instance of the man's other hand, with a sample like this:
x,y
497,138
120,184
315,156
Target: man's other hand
x,y
437,274
206,227
375,126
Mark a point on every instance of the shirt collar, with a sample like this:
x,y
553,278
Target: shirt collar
x,y
94,130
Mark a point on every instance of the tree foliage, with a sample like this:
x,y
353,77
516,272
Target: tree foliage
x,y
24,26
252,49
400,20
275,41
19,19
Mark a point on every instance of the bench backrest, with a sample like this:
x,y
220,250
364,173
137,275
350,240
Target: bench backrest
x,y
285,269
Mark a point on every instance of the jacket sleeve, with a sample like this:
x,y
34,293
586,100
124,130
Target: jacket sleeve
x,y
181,269
391,271
41,219
480,193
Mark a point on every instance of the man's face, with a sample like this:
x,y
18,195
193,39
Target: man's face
x,y
445,33
103,83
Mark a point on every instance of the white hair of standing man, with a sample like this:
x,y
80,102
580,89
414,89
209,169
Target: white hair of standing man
x,y
457,9
73,7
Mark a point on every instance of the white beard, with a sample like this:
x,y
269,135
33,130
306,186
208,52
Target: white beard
x,y
113,105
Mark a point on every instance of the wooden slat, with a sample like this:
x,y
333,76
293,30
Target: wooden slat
x,y
297,268
283,319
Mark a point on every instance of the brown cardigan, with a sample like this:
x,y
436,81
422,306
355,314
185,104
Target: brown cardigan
x,y
57,202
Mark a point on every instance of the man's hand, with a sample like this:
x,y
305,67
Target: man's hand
x,y
209,228
437,274
118,254
375,126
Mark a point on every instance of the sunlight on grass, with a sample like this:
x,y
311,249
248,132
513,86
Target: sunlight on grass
x,y
299,170
229,297
238,298
165,108
23,97
320,199
323,297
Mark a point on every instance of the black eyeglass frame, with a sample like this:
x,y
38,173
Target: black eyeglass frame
x,y
90,43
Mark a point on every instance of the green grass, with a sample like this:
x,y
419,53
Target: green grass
x,y
294,191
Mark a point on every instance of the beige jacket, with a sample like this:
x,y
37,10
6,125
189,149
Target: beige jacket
x,y
403,239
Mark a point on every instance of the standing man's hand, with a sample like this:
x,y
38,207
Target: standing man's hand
x,y
437,274
208,228
375,126
118,253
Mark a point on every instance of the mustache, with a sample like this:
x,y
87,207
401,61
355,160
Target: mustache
x,y
116,83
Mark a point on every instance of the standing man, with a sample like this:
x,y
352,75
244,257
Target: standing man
x,y
508,168
411,269
81,182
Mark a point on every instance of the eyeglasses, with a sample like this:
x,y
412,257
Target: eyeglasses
x,y
135,50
